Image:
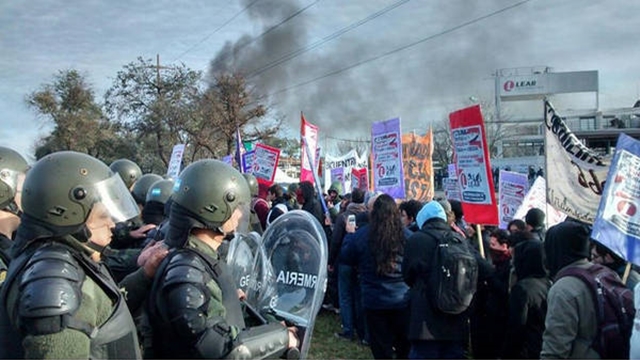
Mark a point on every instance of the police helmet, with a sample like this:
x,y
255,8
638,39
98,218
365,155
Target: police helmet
x,y
210,190
253,184
141,187
128,171
160,191
12,164
61,189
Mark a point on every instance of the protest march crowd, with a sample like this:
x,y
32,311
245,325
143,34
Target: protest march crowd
x,y
106,262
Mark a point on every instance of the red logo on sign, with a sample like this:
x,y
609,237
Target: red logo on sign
x,y
509,85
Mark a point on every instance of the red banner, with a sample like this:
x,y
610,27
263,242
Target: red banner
x,y
473,166
265,163
309,133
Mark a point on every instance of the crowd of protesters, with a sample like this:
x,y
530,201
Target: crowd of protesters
x,y
75,284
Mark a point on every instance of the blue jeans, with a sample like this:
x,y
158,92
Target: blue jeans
x,y
351,312
433,349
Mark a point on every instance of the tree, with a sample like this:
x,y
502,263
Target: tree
x,y
78,122
155,106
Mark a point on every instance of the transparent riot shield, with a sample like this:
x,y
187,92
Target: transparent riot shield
x,y
293,273
241,260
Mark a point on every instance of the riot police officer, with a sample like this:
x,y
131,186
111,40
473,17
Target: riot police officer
x,y
12,169
58,300
129,171
194,307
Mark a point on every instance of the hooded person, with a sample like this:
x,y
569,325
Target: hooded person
x,y
571,323
534,220
432,333
306,196
527,303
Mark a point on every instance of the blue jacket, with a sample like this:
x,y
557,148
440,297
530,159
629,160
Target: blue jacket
x,y
378,292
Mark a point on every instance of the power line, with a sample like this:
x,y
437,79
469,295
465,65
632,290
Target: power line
x,y
215,31
279,24
324,40
430,37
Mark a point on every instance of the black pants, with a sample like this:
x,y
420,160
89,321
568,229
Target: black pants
x,y
388,329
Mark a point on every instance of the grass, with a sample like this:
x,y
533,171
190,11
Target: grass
x,y
324,345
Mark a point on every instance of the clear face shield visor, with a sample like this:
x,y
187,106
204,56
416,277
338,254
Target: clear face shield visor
x,y
10,177
244,219
116,199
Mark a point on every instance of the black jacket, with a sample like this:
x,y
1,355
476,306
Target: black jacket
x,y
527,303
428,323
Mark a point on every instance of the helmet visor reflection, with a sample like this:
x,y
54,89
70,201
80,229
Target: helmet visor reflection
x,y
117,199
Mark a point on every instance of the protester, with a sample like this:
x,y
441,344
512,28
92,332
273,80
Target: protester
x,y
306,197
451,217
376,250
433,334
348,287
194,307
603,256
516,225
279,203
59,301
259,205
571,323
408,211
534,220
12,167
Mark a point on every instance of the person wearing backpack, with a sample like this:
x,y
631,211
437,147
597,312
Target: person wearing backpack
x,y
439,326
579,323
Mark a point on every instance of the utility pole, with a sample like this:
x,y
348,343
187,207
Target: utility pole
x,y
158,67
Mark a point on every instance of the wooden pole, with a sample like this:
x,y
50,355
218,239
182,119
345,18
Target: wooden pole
x,y
480,242
627,270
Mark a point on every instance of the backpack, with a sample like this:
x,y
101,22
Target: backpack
x,y
614,308
455,277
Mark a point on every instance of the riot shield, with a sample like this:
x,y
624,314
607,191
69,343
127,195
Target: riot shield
x,y
244,249
292,273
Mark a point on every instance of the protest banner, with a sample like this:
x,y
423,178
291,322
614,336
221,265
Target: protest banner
x,y
536,198
473,166
360,179
417,165
247,161
451,170
228,160
386,151
617,224
309,135
265,163
513,188
451,189
575,173
337,175
348,161
173,170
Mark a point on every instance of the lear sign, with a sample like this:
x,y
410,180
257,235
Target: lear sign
x,y
523,87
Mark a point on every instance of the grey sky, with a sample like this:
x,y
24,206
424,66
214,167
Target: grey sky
x,y
420,84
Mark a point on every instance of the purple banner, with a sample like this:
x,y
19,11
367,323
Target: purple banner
x,y
337,175
386,149
247,161
513,187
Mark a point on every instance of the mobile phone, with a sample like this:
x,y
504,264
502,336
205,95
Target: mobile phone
x,y
352,219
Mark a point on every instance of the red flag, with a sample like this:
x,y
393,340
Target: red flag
x,y
308,134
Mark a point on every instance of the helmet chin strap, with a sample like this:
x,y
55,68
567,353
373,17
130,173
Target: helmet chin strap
x,y
13,208
84,236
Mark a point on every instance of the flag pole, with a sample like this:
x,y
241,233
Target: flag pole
x,y
627,271
315,177
480,242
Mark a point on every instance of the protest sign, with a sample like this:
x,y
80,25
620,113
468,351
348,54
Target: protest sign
x,y
386,148
417,165
536,198
512,187
575,173
176,161
451,189
473,167
265,163
348,161
617,225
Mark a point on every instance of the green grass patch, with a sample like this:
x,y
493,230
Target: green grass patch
x,y
324,345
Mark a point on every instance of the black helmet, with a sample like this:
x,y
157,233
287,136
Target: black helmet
x,y
128,171
160,191
141,187
12,165
61,189
211,190
253,184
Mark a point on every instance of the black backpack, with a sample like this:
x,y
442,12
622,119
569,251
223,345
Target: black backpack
x,y
614,306
454,280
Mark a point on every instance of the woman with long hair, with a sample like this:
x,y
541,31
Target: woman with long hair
x,y
377,250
